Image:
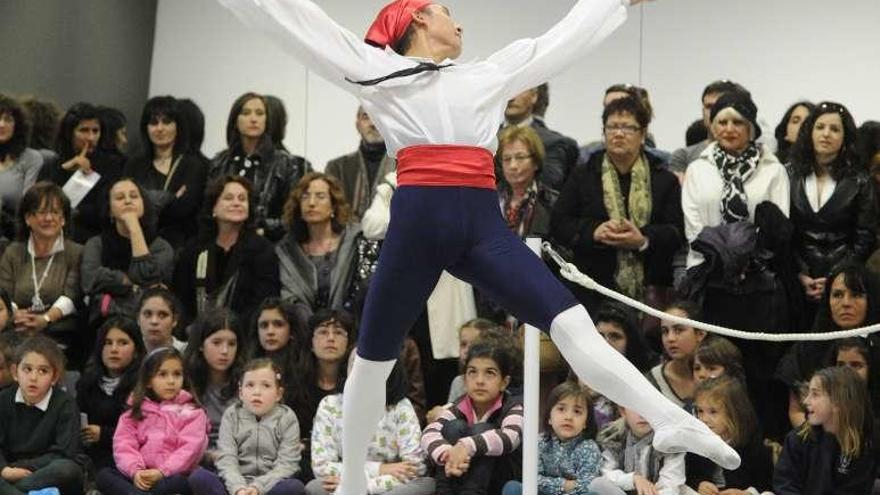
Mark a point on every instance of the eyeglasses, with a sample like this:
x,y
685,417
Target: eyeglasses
x,y
626,129
516,158
46,213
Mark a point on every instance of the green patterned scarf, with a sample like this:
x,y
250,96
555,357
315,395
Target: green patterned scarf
x,y
630,275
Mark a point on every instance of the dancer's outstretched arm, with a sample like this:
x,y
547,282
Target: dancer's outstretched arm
x,y
532,61
307,32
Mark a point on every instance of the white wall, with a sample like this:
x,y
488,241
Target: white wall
x,y
782,50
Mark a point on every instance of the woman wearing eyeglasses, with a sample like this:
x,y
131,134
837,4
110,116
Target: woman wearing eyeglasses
x,y
41,270
525,203
832,200
620,213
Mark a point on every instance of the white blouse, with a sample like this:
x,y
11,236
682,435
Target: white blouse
x,y
811,188
461,105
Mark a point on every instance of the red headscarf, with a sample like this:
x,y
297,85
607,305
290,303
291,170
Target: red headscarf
x,y
393,21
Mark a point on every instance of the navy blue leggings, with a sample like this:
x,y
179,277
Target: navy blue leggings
x,y
458,229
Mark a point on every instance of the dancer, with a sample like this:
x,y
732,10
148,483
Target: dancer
x,y
439,120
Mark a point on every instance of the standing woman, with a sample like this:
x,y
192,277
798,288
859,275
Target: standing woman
x,y
254,155
41,270
169,169
78,150
19,165
832,200
229,265
127,257
789,127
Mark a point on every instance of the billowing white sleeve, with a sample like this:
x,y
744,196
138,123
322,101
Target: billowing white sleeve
x,y
316,40
530,62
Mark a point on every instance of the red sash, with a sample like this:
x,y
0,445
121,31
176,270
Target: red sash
x,y
445,165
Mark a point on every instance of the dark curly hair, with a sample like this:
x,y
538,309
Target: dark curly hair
x,y
803,153
293,215
22,131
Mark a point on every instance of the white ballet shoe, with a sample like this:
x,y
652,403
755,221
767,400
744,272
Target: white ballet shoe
x,y
694,436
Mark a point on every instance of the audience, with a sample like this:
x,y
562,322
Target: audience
x,y
724,405
620,213
127,257
229,264
39,425
833,451
833,208
229,274
252,153
213,363
41,270
360,172
789,127
161,438
631,464
169,169
108,380
526,203
19,164
395,460
474,444
158,316
78,156
317,257
560,152
683,157
674,377
246,464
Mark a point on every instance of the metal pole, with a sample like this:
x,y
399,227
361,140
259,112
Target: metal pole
x,y
531,397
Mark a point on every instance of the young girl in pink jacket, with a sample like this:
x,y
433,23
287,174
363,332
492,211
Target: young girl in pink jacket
x,y
161,439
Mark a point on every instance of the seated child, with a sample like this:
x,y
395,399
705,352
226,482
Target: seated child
x,y
630,462
473,442
258,446
833,452
395,460
39,425
162,438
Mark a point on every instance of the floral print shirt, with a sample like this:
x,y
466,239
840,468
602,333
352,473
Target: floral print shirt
x,y
577,459
397,439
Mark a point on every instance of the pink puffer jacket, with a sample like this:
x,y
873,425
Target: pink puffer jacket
x,y
171,437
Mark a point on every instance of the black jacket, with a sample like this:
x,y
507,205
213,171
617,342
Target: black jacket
x,y
756,470
580,209
843,230
277,174
177,215
102,410
253,258
815,467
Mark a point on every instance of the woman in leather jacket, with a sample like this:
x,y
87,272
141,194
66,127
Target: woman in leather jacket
x,y
832,199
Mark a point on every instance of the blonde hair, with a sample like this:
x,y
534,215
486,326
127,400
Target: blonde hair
x,y
730,394
527,136
849,396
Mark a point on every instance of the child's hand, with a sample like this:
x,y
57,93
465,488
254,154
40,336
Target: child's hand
x,y
14,475
403,471
458,460
569,485
146,479
706,488
330,483
643,486
90,433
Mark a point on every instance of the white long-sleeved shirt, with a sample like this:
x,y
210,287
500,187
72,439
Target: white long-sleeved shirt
x,y
459,105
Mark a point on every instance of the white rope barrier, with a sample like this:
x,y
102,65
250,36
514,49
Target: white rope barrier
x,y
570,272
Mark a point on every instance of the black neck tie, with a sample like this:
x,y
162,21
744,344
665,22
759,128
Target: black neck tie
x,y
411,71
